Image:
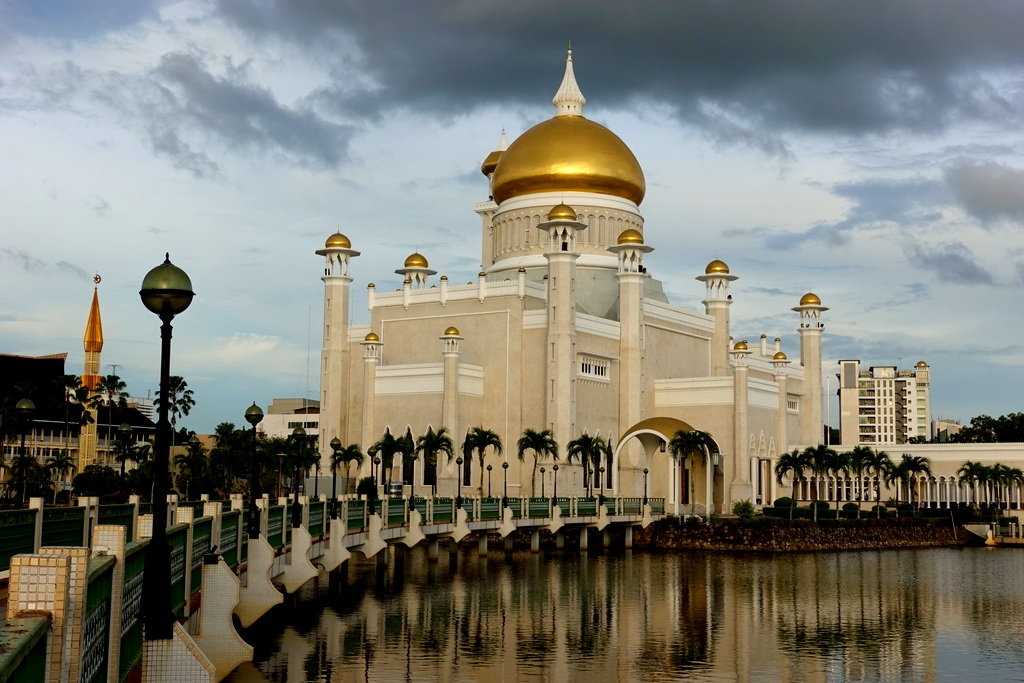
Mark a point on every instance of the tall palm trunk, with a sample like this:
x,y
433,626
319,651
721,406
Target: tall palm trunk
x,y
533,478
814,498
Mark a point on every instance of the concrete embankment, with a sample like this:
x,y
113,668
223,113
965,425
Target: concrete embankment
x,y
770,535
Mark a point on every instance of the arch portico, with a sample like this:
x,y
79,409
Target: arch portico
x,y
666,478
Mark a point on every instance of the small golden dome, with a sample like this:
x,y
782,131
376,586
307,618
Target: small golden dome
x,y
810,299
452,331
337,241
741,346
630,236
568,154
371,337
780,355
717,267
561,212
490,162
416,260
920,364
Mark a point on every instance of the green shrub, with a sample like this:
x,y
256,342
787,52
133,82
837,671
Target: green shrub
x,y
367,486
743,509
784,502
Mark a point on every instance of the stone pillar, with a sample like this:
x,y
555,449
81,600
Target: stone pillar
x,y
451,347
185,516
37,538
534,541
627,539
780,362
40,583
78,583
560,387
372,348
136,502
740,486
717,300
481,546
811,326
334,355
111,539
584,539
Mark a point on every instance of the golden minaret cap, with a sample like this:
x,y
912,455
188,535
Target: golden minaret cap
x,y
93,337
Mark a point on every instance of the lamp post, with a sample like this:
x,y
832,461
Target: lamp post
x,y
504,498
412,484
123,430
458,498
166,291
489,468
299,435
600,472
645,486
254,415
280,475
316,482
555,469
373,499
542,471
25,408
335,447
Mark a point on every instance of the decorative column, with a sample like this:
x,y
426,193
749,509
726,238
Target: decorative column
x,y
717,300
371,359
451,346
780,362
739,487
810,310
561,228
334,360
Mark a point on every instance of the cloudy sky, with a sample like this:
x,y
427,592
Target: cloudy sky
x,y
872,152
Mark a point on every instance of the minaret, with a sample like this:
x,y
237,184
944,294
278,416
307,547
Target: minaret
x,y
739,487
561,228
716,278
810,310
334,360
630,250
92,343
779,362
371,359
451,346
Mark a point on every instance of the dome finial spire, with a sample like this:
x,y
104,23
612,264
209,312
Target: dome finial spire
x,y
569,99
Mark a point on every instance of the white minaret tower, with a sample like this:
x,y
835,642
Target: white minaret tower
x,y
630,249
779,362
561,228
334,365
717,279
371,359
740,487
810,310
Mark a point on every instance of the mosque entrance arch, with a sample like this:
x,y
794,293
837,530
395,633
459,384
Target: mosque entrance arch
x,y
645,445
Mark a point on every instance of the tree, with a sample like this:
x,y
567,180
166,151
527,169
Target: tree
x,y
431,445
110,391
542,444
858,461
821,459
192,467
342,458
879,464
386,448
74,392
409,457
972,473
227,454
686,445
61,464
27,478
909,468
180,401
988,429
795,462
96,480
839,464
478,440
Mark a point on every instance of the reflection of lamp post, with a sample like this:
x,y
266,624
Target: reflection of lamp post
x,y
489,468
335,447
555,469
645,486
25,408
504,498
254,415
458,498
299,435
166,291
542,471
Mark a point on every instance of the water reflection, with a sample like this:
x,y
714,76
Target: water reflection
x,y
873,616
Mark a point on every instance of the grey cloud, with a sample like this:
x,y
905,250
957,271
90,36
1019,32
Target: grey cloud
x,y
71,268
167,143
951,262
101,207
745,72
988,190
32,264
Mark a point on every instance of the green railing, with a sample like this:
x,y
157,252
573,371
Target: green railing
x,y
118,515
517,507
17,535
23,649
356,510
586,507
227,545
610,504
421,507
316,518
242,522
490,509
201,541
63,526
657,505
196,505
176,539
96,622
563,504
632,506
538,508
131,608
396,512
444,511
275,526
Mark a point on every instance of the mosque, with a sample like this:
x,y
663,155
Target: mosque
x,y
566,329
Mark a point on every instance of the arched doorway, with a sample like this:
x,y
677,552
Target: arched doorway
x,y
688,487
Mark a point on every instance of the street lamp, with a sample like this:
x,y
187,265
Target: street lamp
x,y
299,436
542,471
254,415
458,498
504,498
123,430
335,447
25,408
645,486
166,291
316,482
600,497
489,468
555,469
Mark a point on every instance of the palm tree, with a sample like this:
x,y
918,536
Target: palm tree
x,y
587,450
192,465
73,389
858,460
180,401
431,445
227,453
839,464
688,445
879,464
542,444
386,448
795,462
409,457
820,459
342,458
111,390
909,468
61,464
479,440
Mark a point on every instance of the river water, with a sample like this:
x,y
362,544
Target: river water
x,y
915,615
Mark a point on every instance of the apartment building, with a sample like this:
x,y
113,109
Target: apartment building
x,y
883,404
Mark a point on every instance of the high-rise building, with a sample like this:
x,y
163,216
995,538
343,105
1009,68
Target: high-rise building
x,y
285,414
883,404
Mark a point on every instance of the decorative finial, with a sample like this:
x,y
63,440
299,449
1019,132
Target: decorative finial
x,y
96,279
503,141
569,99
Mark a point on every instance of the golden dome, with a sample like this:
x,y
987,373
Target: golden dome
x,y
717,267
562,212
490,162
810,299
337,241
452,331
630,236
371,337
741,346
780,355
920,364
568,154
416,260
